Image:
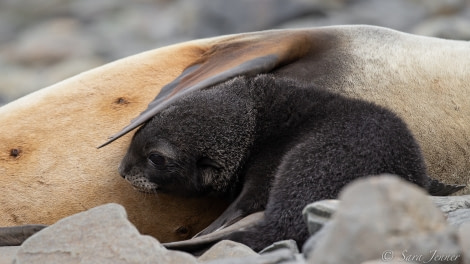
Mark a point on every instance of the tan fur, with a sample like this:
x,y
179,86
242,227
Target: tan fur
x,y
427,82
58,171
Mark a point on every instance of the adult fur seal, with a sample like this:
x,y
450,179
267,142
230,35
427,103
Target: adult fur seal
x,y
268,143
47,136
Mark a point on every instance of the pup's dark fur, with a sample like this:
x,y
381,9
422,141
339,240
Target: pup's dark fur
x,y
270,144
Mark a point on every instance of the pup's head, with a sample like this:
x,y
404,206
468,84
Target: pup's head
x,y
195,146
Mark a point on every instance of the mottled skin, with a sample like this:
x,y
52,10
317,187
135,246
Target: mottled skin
x,y
269,144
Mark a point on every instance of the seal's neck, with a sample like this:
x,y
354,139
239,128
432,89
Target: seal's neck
x,y
282,106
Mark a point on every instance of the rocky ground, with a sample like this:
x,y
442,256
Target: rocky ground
x,y
45,41
376,220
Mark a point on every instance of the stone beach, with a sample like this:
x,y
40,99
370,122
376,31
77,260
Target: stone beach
x,y
375,220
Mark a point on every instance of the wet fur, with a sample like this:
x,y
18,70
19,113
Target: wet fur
x,y
270,144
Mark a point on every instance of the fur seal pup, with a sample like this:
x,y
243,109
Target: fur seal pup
x,y
268,143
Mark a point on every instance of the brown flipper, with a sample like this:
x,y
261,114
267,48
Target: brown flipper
x,y
438,188
199,244
243,54
16,235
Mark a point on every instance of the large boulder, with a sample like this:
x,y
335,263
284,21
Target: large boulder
x,y
389,219
99,235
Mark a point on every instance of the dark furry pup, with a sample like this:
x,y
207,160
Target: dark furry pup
x,y
270,144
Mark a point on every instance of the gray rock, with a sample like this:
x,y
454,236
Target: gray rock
x,y
442,7
312,242
234,16
444,27
7,254
458,217
99,235
318,213
464,238
287,244
284,256
226,249
385,216
372,12
449,204
456,209
64,41
380,261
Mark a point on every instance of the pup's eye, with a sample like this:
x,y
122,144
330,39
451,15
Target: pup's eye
x,y
157,160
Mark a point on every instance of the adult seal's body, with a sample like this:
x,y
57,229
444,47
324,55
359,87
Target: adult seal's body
x,y
270,144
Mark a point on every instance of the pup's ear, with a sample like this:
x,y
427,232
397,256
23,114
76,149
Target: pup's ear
x,y
235,55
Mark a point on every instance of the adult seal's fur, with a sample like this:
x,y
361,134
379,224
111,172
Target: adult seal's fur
x,y
266,143
50,167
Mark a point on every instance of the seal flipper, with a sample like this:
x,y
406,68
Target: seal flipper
x,y
238,55
16,235
230,216
200,244
437,188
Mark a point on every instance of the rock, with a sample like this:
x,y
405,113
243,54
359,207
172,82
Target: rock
x,y
456,209
444,27
234,16
227,249
63,42
7,254
442,7
312,242
380,261
318,213
448,204
372,12
287,244
278,256
99,235
385,217
458,217
464,238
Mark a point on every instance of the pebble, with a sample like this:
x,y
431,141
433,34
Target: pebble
x,y
276,257
227,249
